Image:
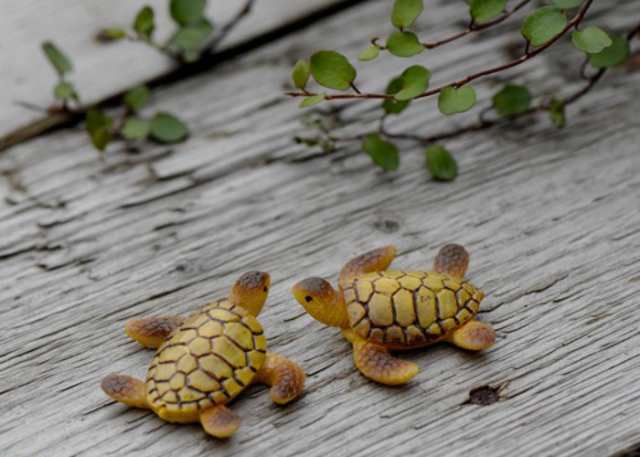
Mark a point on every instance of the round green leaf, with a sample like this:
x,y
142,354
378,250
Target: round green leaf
x,y
543,24
135,128
384,154
485,10
65,91
187,12
566,4
441,164
333,70
99,126
612,55
300,74
557,113
144,23
137,97
57,58
404,44
405,12
512,99
112,34
188,41
370,53
166,128
312,100
453,101
393,106
591,40
415,81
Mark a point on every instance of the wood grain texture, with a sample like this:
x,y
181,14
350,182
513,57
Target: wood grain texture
x,y
550,218
103,70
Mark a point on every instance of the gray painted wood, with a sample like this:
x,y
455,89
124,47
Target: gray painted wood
x,y
551,219
103,70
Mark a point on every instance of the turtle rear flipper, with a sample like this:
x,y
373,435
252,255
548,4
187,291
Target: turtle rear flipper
x,y
219,421
473,336
125,389
452,259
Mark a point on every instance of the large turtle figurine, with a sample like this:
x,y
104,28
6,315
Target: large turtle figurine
x,y
205,360
380,310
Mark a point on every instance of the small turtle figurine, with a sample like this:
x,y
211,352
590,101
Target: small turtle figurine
x,y
205,360
380,310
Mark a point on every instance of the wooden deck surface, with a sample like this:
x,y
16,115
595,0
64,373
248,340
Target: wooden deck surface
x,y
551,218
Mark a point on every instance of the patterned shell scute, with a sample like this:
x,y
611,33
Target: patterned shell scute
x,y
210,359
409,308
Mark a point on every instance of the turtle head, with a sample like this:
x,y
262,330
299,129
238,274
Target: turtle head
x,y
320,299
250,291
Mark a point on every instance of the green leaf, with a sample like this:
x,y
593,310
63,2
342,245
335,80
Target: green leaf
x,y
300,74
166,128
65,91
453,101
312,100
135,128
393,106
333,70
144,23
557,113
405,12
404,44
99,126
485,10
57,58
441,164
591,40
566,4
187,12
543,24
112,34
415,81
612,55
370,53
512,99
137,97
189,41
384,154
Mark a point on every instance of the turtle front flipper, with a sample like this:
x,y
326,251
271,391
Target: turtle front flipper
x,y
284,376
219,421
452,259
376,363
473,336
125,389
151,332
376,260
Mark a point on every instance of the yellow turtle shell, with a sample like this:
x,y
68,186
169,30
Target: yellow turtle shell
x,y
409,309
209,360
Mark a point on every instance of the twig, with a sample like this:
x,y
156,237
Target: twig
x,y
229,26
577,19
472,27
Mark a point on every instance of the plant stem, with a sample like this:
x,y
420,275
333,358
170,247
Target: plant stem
x,y
528,55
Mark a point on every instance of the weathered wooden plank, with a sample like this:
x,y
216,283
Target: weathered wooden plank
x,y
551,218
102,71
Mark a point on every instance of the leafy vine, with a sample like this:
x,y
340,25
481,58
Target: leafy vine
x,y
540,29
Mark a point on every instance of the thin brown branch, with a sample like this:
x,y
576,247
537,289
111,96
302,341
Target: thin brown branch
x,y
574,22
472,27
229,26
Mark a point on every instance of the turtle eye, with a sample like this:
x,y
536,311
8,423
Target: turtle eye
x,y
308,298
266,289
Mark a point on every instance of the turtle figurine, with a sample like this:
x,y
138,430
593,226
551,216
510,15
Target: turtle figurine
x,y
382,310
205,360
